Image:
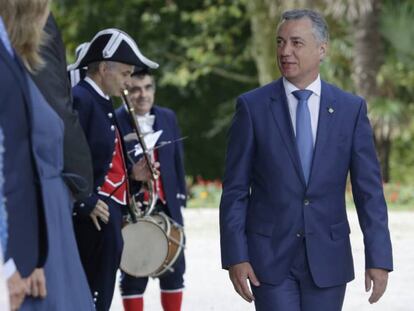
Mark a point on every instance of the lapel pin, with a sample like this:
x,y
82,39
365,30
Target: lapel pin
x,y
331,110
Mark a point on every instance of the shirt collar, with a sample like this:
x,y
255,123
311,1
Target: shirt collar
x,y
96,87
315,86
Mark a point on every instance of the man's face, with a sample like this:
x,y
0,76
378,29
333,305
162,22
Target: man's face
x,y
298,52
142,93
117,77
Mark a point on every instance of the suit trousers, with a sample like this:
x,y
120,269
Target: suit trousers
x,y
100,252
298,292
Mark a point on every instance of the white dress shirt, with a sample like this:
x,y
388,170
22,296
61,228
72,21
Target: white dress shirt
x,y
313,103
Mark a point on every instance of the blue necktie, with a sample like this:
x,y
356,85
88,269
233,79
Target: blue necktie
x,y
304,139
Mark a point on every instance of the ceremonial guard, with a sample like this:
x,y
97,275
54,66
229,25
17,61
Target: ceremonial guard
x,y
110,59
169,187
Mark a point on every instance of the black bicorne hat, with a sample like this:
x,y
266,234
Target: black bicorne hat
x,y
112,45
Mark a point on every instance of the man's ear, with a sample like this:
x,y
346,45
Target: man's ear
x,y
103,67
323,51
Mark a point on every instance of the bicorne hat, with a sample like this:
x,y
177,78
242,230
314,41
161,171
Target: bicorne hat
x,y
112,45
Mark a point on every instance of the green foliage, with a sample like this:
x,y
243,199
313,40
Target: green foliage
x,y
204,193
204,48
397,27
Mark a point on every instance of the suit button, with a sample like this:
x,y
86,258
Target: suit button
x,y
82,205
306,202
110,115
112,127
300,234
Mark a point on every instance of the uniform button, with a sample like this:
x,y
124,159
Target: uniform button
x,y
298,235
112,127
95,294
114,153
106,177
110,165
98,188
116,140
74,214
110,115
306,202
82,205
95,299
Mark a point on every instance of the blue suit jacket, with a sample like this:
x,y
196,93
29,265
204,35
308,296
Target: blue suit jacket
x,y
27,243
170,156
266,207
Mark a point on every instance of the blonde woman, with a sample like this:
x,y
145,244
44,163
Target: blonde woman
x,y
65,286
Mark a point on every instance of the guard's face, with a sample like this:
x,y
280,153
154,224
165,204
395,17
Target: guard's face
x,y
299,53
142,93
117,78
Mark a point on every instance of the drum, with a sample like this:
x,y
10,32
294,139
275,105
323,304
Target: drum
x,y
151,245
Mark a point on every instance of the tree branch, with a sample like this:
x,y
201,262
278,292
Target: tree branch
x,y
215,70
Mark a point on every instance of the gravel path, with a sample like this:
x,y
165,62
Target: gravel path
x,y
208,287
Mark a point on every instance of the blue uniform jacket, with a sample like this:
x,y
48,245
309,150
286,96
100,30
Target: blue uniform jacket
x,y
97,118
170,156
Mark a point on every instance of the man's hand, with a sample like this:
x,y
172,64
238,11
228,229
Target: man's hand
x,y
17,290
238,275
36,284
141,171
379,278
100,211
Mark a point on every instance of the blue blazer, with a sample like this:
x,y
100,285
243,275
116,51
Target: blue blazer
x,y
27,243
266,207
170,156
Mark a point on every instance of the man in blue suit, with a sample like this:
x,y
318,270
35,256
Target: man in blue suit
x,y
171,189
291,146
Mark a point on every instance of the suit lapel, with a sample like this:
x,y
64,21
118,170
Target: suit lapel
x,y
280,111
328,110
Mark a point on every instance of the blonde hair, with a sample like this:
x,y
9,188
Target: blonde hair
x,y
23,20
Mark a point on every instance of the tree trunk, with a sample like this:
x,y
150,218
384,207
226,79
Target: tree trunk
x,y
368,59
368,51
263,21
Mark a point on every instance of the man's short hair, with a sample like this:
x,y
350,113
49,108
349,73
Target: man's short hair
x,y
319,25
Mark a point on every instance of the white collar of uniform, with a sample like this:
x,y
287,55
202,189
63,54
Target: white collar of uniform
x,y
96,87
146,122
315,86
